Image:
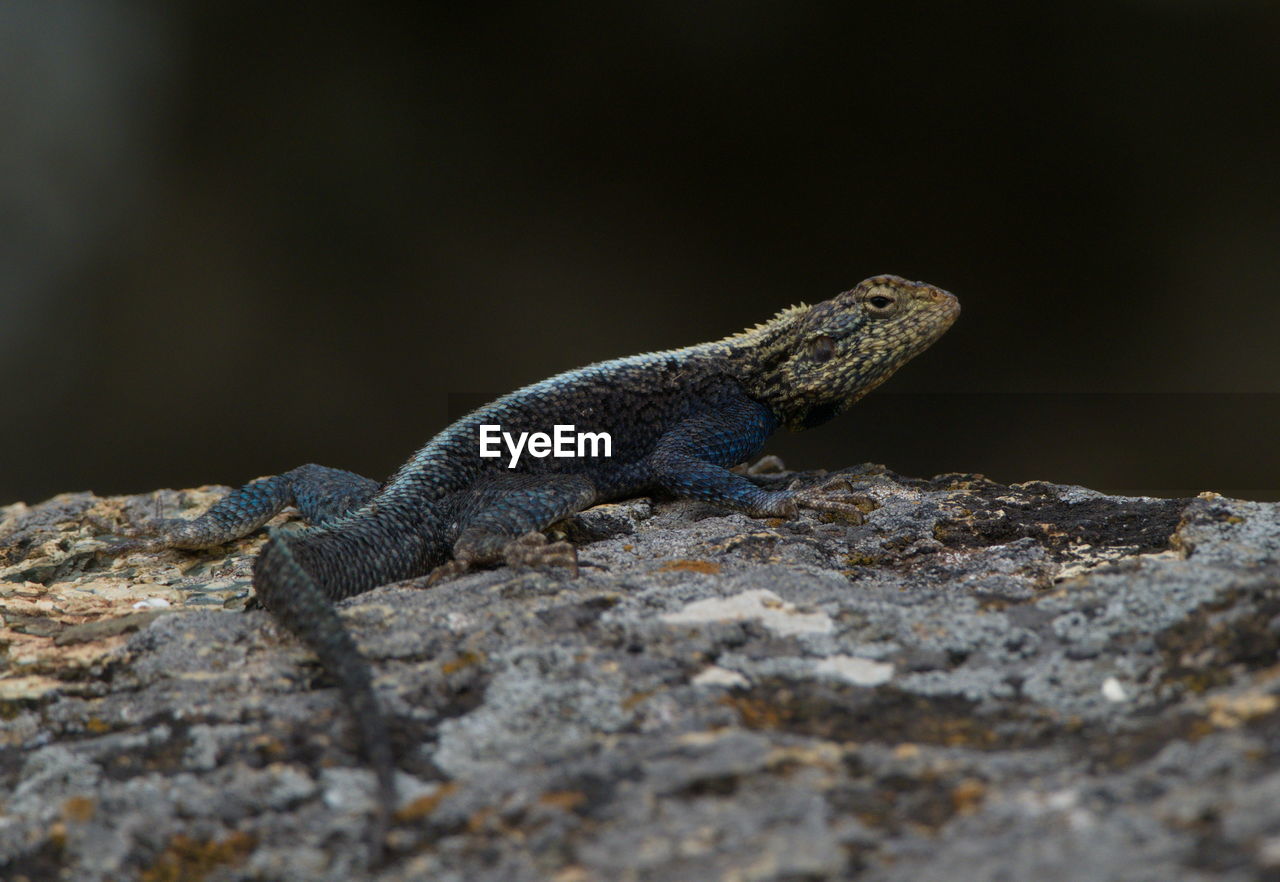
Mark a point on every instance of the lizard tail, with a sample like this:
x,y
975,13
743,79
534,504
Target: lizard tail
x,y
297,602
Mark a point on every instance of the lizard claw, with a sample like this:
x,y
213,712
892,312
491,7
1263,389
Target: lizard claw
x,y
446,571
133,539
533,550
836,498
130,538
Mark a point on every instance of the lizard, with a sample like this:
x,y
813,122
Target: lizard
x,y
679,419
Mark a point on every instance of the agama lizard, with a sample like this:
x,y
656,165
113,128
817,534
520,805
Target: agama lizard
x,y
678,420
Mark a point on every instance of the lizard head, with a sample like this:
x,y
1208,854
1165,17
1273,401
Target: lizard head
x,y
822,358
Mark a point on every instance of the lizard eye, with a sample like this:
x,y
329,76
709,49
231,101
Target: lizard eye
x,y
822,348
881,305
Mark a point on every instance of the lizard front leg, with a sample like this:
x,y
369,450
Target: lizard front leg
x,y
321,494
692,459
500,519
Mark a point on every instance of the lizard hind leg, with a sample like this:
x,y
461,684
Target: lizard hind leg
x,y
320,493
502,520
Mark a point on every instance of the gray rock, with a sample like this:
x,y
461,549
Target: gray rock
x,y
982,681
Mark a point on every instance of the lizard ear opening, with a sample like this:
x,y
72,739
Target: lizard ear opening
x,y
821,348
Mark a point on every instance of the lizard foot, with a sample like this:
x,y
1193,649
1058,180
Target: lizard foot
x,y
451,569
130,538
131,541
836,498
533,550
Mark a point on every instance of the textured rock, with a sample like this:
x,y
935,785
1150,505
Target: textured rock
x,y
982,681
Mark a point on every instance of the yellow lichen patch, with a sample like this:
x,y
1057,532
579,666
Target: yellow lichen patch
x,y
27,687
1083,558
423,806
270,748
755,713
192,860
1230,711
34,659
65,607
565,800
703,737
706,567
79,808
637,698
967,796
763,537
76,600
479,819
906,751
823,755
58,835
462,661
51,628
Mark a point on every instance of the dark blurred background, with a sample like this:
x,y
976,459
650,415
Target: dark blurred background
x,y
236,237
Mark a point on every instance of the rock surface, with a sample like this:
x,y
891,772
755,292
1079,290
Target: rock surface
x,y
982,681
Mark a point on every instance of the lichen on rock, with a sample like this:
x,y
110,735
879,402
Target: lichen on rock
x,y
983,680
